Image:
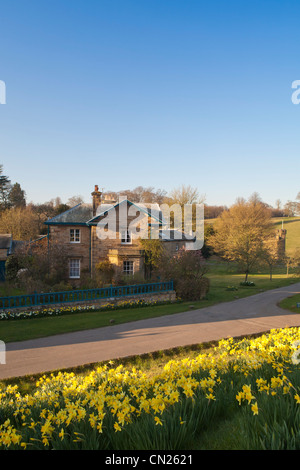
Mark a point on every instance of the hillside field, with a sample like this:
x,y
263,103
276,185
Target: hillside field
x,y
292,227
290,224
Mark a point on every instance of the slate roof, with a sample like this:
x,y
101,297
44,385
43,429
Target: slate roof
x,y
82,214
153,210
5,241
77,215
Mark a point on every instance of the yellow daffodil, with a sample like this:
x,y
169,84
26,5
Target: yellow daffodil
x,y
157,421
117,427
297,398
254,408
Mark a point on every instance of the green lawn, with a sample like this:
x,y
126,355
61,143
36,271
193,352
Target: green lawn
x,y
290,303
292,227
222,276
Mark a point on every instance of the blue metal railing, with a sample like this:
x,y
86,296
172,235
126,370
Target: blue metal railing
x,y
84,295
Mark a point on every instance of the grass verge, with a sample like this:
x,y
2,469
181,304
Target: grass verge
x,y
290,303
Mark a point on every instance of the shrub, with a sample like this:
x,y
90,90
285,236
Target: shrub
x,y
37,266
187,270
105,272
191,289
12,266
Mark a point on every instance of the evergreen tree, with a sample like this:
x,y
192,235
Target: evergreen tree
x,y
5,187
17,196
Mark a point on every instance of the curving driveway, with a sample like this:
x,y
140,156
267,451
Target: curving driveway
x,y
254,314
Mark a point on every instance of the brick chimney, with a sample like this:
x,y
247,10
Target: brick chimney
x,y
96,199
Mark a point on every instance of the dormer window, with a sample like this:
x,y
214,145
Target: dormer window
x,y
125,237
74,235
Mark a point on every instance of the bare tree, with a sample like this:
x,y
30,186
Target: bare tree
x,y
271,254
240,234
74,201
22,223
290,209
139,194
186,195
255,198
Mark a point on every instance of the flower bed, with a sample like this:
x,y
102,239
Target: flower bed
x,y
117,408
65,310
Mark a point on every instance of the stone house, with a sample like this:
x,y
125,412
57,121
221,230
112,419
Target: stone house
x,y
82,230
6,248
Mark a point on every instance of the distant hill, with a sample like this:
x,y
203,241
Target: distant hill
x,y
290,224
292,227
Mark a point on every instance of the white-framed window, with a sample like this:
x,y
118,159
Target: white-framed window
x,y
74,235
125,237
74,268
128,267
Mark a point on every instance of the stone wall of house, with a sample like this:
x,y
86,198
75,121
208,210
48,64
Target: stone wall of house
x,y
60,234
112,247
93,248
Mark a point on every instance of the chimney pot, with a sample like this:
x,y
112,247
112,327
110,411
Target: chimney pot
x,y
96,199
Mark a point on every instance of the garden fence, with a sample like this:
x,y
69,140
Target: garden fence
x,y
83,295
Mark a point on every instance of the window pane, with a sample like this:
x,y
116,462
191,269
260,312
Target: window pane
x,y
74,235
74,265
128,267
125,237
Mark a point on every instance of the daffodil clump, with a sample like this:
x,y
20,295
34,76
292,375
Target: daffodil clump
x,y
118,408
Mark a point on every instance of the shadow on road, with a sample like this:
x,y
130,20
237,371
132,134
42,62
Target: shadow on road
x,y
263,305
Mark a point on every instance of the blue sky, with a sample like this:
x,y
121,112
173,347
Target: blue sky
x,y
123,93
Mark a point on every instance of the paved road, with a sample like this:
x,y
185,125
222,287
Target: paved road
x,y
254,314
